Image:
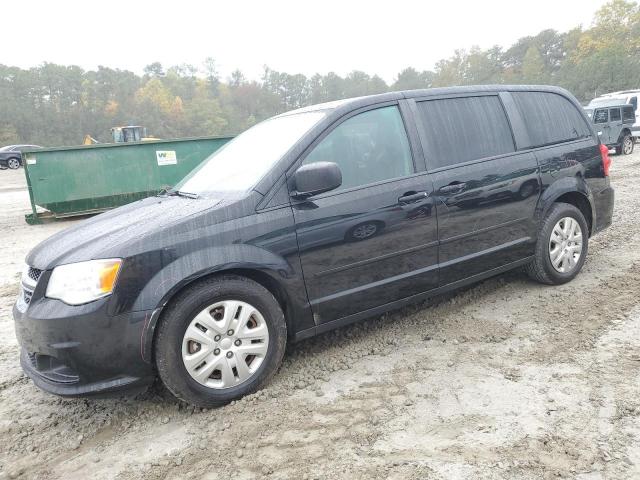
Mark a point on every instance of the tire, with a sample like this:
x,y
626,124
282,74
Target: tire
x,y
13,163
627,145
172,337
541,268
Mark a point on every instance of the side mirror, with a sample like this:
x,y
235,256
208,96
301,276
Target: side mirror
x,y
316,178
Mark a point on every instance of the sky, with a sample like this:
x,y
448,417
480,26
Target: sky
x,y
291,36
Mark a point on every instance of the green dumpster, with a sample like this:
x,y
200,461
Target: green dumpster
x,y
83,180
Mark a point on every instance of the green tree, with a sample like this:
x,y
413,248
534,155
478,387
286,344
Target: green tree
x,y
533,70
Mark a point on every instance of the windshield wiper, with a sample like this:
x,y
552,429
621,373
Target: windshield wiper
x,y
186,194
171,192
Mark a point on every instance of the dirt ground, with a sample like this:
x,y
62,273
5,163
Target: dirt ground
x,y
506,379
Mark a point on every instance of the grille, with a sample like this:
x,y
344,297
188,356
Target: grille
x,y
34,273
26,296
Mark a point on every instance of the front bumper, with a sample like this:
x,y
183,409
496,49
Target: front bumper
x,y
81,350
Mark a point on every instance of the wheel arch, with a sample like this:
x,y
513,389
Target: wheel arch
x,y
264,267
259,276
571,190
623,133
581,202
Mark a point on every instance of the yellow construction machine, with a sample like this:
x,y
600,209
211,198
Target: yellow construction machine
x,y
129,133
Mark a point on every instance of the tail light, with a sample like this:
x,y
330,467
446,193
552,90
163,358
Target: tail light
x,y
606,160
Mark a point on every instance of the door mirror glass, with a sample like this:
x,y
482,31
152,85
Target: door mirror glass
x,y
316,178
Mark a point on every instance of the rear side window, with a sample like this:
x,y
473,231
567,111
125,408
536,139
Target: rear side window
x,y
601,116
628,115
459,130
614,114
550,118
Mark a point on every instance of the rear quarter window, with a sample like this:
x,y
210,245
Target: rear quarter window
x,y
550,118
628,115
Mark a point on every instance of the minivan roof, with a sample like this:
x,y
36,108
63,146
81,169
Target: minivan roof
x,y
355,102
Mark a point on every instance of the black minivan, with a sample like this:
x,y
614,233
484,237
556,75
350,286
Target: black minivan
x,y
309,221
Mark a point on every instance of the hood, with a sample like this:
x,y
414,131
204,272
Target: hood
x,y
104,235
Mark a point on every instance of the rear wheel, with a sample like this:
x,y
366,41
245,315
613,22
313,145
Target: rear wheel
x,y
561,247
627,145
220,340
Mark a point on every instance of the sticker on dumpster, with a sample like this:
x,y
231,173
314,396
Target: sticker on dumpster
x,y
31,158
166,157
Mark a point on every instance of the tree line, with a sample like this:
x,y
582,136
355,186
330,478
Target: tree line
x,y
57,105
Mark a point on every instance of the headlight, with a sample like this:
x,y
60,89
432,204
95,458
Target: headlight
x,y
83,282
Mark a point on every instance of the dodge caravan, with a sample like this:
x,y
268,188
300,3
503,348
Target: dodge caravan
x,y
306,222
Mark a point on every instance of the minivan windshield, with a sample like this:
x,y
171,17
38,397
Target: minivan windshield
x,y
242,162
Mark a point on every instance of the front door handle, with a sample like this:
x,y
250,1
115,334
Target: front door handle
x,y
454,187
411,197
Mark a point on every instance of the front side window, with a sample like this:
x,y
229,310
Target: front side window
x,y
369,147
601,116
550,118
459,130
614,114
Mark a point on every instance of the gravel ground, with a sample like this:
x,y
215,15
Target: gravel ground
x,y
506,379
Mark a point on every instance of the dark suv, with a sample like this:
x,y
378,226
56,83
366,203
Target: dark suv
x,y
11,155
309,221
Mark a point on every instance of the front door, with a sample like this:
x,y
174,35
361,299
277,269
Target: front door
x,y
374,239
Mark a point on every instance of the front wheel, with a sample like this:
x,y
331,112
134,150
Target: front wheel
x,y
561,246
221,339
